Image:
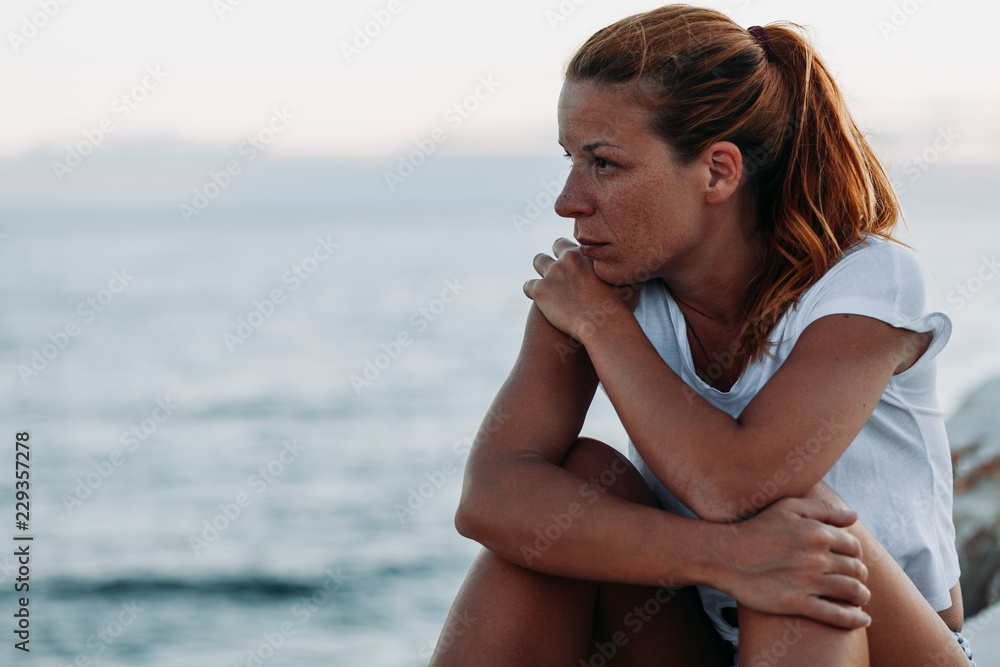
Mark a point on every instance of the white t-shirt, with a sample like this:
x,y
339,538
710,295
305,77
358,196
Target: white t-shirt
x,y
896,474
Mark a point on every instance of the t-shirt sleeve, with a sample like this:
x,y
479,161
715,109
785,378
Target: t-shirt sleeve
x,y
883,280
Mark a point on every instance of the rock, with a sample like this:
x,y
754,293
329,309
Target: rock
x,y
974,433
983,633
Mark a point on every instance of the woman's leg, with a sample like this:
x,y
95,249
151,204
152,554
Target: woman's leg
x,y
506,614
905,630
640,625
791,641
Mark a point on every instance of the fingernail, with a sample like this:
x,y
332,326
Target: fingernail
x,y
868,620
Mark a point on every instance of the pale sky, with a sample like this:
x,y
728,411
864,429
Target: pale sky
x,y
909,68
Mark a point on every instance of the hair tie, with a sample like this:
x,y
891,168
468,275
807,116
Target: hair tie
x,y
759,35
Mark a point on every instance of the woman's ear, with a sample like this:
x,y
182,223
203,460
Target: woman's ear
x,y
725,167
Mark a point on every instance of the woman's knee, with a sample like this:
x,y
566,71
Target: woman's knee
x,y
792,640
608,470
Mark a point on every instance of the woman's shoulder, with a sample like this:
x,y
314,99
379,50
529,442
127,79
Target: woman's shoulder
x,y
877,277
875,264
878,251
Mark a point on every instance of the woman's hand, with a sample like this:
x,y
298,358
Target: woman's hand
x,y
794,558
571,295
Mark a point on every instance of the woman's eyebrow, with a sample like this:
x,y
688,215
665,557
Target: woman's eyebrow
x,y
589,148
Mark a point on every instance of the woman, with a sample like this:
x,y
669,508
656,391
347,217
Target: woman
x,y
778,346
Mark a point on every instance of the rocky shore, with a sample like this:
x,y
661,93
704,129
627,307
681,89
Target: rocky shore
x,y
974,432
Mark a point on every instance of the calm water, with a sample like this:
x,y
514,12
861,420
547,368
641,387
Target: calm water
x,y
206,492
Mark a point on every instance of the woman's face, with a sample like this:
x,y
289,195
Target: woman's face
x,y
637,212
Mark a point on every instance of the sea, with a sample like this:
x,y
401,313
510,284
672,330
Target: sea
x,y
244,428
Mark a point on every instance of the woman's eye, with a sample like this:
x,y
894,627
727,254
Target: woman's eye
x,y
598,162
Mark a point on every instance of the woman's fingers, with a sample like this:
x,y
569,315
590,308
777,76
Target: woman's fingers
x,y
822,491
822,510
846,544
846,590
836,614
836,518
569,293
542,262
561,245
850,567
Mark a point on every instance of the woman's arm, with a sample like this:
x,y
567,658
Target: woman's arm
x,y
823,393
785,561
826,389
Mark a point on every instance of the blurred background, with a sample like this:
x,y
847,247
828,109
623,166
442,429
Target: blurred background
x,y
260,278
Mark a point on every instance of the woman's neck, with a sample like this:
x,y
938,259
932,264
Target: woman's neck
x,y
713,285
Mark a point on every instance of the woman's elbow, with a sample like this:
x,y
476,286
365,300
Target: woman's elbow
x,y
466,521
718,512
733,500
718,503
477,514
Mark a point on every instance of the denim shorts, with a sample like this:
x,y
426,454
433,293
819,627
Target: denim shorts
x,y
962,641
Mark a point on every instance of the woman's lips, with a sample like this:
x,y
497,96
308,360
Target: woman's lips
x,y
589,248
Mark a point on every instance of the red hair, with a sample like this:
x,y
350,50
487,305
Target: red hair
x,y
816,184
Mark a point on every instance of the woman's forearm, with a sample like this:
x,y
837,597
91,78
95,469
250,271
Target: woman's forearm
x,y
824,392
691,446
520,503
540,516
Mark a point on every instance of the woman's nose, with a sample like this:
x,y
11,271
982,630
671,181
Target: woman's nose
x,y
573,201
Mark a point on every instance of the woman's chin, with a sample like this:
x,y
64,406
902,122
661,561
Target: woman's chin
x,y
618,275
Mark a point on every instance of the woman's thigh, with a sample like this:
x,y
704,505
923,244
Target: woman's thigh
x,y
658,626
505,614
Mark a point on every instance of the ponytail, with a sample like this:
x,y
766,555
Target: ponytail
x,y
826,193
817,186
